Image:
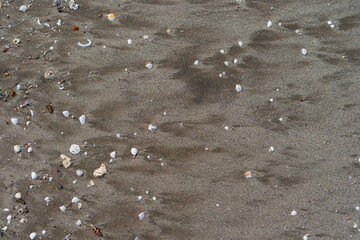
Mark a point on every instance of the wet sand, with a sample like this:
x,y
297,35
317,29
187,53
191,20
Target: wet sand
x,y
201,194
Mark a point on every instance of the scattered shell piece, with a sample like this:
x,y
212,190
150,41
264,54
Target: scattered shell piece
x,y
118,135
66,113
91,183
113,154
79,173
14,121
222,51
332,26
248,174
82,119
196,63
74,149
74,28
226,128
111,16
96,230
154,198
236,61
73,5
29,150
271,149
227,63
18,196
141,216
88,44
17,149
78,222
139,197
305,237
238,88
149,66
293,213
329,22
43,232
32,235
23,8
49,75
240,43
50,108
75,200
63,208
129,41
66,161
79,205
33,175
134,152
152,127
100,171
271,100
58,22
269,24
304,51
32,113
146,37
16,41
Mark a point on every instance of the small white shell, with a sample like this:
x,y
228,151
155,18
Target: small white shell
x,y
32,235
196,63
82,119
141,216
79,173
113,154
75,200
78,222
269,24
17,149
66,113
240,43
29,150
63,208
152,127
58,22
293,213
32,113
129,41
88,44
100,171
134,151
149,66
227,63
238,88
16,41
74,149
271,149
18,195
14,121
23,8
33,175
43,232
236,61
304,51
49,75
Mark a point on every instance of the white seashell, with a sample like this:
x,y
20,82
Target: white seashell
x,y
146,37
154,198
141,216
50,179
149,66
58,22
32,113
49,75
47,199
134,152
332,26
78,222
304,51
226,128
238,88
43,232
33,175
269,24
271,100
129,41
240,43
293,213
88,44
18,87
32,235
222,51
27,123
75,200
139,197
17,149
6,210
196,63
79,205
14,121
297,31
22,220
63,208
66,113
137,238
118,135
271,149
79,173
100,171
329,22
82,119
152,127
91,183
18,195
23,8
74,149
47,25
227,63
236,61
113,154
305,237
29,150
16,41
9,218
357,208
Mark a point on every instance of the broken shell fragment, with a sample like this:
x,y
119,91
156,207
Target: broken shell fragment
x,y
238,88
149,66
100,171
79,173
113,154
96,230
91,183
304,51
16,41
33,175
66,161
75,200
82,119
111,16
23,8
66,113
63,208
141,216
49,75
88,44
18,196
17,149
152,127
14,121
74,149
248,174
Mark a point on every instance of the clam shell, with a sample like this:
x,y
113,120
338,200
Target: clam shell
x,y
16,41
134,151
100,171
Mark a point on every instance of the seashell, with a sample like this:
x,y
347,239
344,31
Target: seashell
x,y
58,22
129,41
88,44
18,196
79,173
66,113
269,24
49,75
141,216
9,218
63,208
227,63
134,152
149,66
236,61
91,183
240,43
43,232
271,149
16,41
139,197
113,154
111,17
47,199
73,5
29,150
332,26
146,37
33,175
247,174
100,171
79,205
304,51
78,222
47,25
14,121
17,149
82,119
152,127
96,230
23,8
32,235
66,162
196,63
293,213
75,200
74,149
238,88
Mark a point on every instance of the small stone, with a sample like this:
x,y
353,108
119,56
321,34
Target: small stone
x,y
17,149
18,196
75,149
63,208
33,175
14,121
79,173
32,235
66,114
75,200
82,119
23,8
141,216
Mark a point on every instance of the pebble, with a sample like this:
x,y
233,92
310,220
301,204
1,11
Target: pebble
x,y
79,173
152,127
74,149
238,88
149,66
17,149
14,121
75,200
304,51
32,235
293,213
66,114
33,175
18,195
82,119
23,8
141,216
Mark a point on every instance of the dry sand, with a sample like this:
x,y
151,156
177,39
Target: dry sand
x,y
200,194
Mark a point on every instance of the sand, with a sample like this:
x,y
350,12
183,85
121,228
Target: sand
x,y
200,194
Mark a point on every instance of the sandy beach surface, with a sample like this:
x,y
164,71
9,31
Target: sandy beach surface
x,y
294,124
